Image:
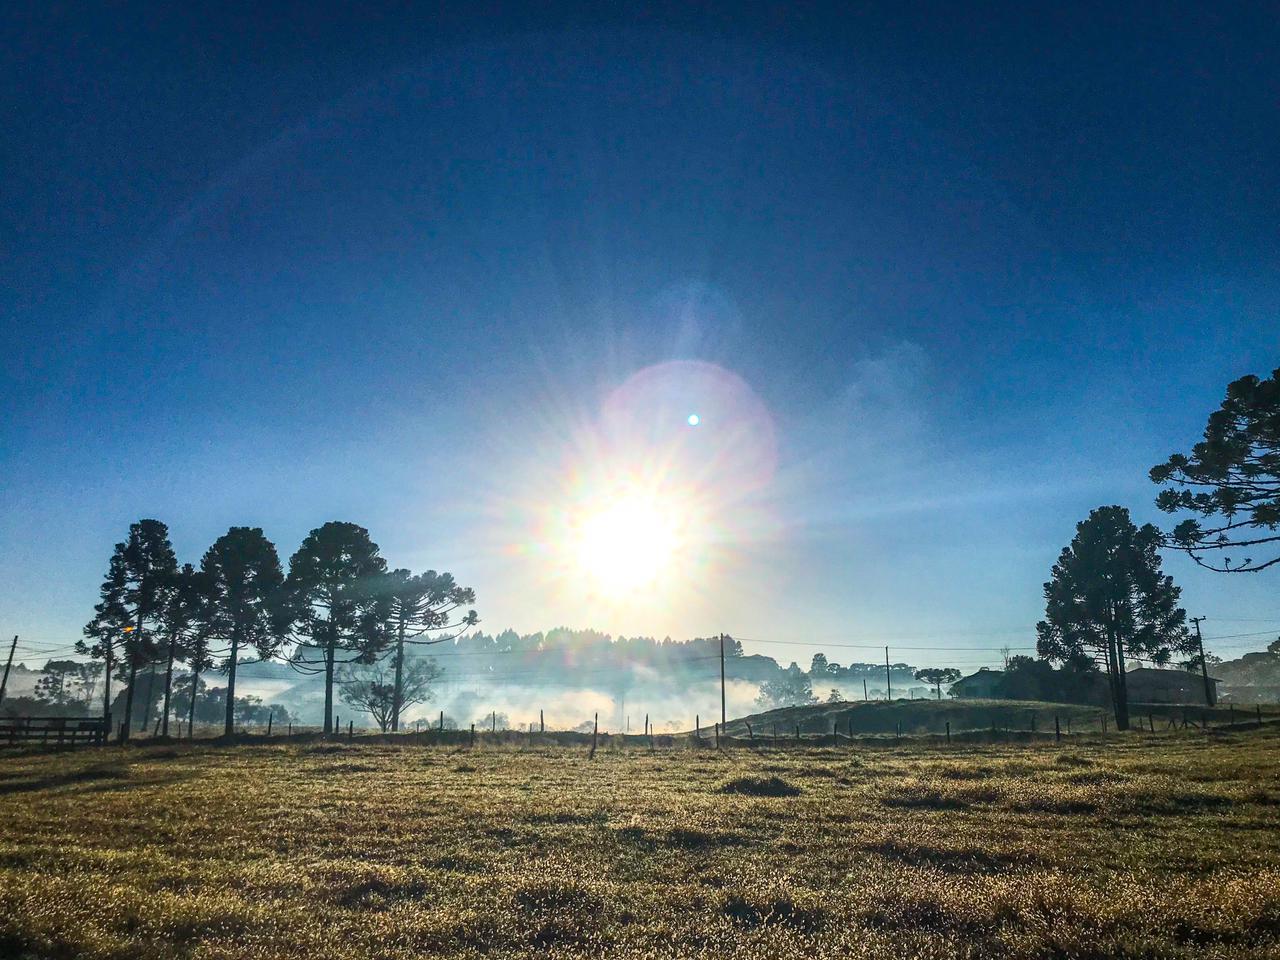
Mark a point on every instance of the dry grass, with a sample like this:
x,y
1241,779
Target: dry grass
x,y
1160,846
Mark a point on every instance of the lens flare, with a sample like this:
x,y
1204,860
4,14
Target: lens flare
x,y
624,517
627,540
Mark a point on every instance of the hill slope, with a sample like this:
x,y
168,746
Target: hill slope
x,y
932,716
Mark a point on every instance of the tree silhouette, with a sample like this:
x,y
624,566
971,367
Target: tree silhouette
x,y
1108,600
790,688
421,606
373,689
134,594
244,601
199,657
184,617
62,682
104,634
336,596
938,676
1234,473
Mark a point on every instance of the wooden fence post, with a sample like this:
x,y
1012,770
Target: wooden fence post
x,y
717,726
351,730
595,734
948,731
271,715
291,728
1057,728
1232,707
797,733
751,735
697,727
473,735
542,723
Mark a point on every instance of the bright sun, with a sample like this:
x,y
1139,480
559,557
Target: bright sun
x,y
629,540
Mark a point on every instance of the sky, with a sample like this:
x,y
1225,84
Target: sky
x,y
937,282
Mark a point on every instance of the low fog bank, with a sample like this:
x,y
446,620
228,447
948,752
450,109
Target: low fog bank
x,y
517,707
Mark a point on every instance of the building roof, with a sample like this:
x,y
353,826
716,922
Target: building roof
x,y
1165,672
983,672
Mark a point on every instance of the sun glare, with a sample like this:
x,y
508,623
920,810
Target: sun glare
x,y
628,541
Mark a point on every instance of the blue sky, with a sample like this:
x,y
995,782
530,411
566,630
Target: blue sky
x,y
981,271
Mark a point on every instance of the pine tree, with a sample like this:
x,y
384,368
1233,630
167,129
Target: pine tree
x,y
244,604
338,599
423,609
1108,600
1234,474
134,594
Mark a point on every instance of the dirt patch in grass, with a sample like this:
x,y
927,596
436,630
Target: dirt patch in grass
x,y
951,860
376,893
348,768
760,787
752,910
1073,760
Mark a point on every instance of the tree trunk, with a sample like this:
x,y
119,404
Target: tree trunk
x,y
151,699
229,719
328,686
397,692
168,688
195,685
1115,666
108,660
128,700
1122,703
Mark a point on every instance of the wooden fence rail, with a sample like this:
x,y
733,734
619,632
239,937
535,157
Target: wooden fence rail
x,y
53,731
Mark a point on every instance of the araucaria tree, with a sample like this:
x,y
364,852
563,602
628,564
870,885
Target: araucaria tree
x,y
134,596
245,605
424,609
63,683
1109,600
184,617
1234,475
938,676
104,635
337,597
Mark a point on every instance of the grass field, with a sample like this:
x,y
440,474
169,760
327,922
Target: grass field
x,y
1163,845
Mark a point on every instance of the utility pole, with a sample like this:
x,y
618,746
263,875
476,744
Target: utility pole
x,y
888,679
1204,667
723,721
8,663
